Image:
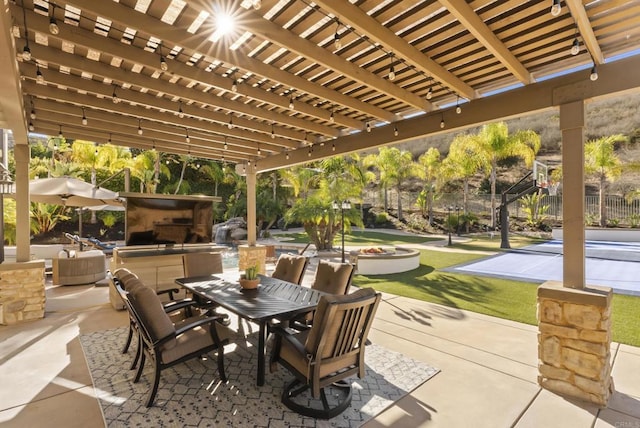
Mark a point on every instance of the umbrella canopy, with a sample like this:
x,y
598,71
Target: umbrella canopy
x,y
70,192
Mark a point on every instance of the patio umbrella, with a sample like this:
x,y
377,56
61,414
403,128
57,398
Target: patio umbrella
x,y
72,192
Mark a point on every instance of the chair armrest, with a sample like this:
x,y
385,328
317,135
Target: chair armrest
x,y
290,335
198,323
176,305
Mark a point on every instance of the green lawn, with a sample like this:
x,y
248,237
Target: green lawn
x,y
502,298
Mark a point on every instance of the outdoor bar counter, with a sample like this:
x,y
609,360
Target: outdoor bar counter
x,y
157,266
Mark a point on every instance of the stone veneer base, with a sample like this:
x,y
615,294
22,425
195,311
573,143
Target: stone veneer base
x,y
251,255
22,292
574,341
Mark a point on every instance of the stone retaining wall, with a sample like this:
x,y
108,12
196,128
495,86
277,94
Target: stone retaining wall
x,y
574,341
22,292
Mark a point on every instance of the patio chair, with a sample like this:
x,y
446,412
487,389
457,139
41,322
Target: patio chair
x,y
123,280
290,268
323,356
204,264
332,278
167,344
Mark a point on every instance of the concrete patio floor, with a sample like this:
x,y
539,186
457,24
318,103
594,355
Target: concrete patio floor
x,y
487,379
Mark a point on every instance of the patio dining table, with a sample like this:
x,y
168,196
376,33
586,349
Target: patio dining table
x,y
273,299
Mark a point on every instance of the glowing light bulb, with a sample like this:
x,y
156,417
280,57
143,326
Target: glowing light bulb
x,y
575,47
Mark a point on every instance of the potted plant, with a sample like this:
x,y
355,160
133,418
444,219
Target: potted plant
x,y
249,279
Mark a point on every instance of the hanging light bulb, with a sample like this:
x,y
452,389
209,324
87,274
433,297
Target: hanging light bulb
x,y
39,76
259,151
84,118
287,155
368,127
430,93
186,136
257,4
31,127
333,147
594,74
230,125
163,64
336,38
395,130
273,132
96,152
32,115
458,108
575,47
26,52
139,127
442,122
114,96
180,112
53,25
234,85
109,140
291,105
60,135
332,117
556,8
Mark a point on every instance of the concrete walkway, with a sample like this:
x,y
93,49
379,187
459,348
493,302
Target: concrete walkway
x,y
488,368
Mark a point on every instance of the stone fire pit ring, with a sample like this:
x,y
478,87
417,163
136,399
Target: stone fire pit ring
x,y
383,261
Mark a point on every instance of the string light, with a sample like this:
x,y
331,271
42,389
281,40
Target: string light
x,y
336,37
53,25
273,132
186,135
234,85
556,8
594,73
32,115
114,96
291,105
259,151
287,155
230,125
430,93
139,127
60,135
39,76
257,4
84,118
333,147
26,52
575,47
225,143
392,71
442,125
180,112
331,116
395,130
109,140
163,64
31,127
368,127
458,108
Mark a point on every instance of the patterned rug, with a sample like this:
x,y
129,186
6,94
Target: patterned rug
x,y
192,395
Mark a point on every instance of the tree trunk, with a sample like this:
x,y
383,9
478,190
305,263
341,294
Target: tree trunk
x,y
399,203
492,178
430,204
603,202
386,198
94,180
184,167
465,203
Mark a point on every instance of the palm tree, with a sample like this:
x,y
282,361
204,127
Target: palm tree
x,y
461,163
395,168
428,169
215,172
602,163
493,144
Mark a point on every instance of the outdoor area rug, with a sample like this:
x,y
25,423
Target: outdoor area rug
x,y
192,395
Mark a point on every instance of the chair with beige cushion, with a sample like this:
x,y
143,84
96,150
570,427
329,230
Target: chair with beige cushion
x,y
167,344
202,264
333,278
331,351
290,268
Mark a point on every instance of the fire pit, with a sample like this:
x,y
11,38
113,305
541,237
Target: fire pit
x,y
382,261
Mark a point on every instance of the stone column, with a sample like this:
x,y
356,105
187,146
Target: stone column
x,y
574,341
22,292
251,255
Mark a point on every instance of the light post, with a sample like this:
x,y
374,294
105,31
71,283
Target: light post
x,y
6,188
344,205
449,209
458,220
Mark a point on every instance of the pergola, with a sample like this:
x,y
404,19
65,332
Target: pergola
x,y
296,81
